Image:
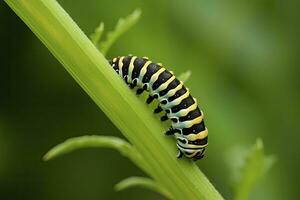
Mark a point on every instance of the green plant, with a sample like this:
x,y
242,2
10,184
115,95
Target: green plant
x,y
247,167
149,149
123,25
54,27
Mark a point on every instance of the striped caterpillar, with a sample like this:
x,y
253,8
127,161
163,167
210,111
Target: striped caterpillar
x,y
174,99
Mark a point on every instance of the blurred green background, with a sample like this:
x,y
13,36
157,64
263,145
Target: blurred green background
x,y
244,58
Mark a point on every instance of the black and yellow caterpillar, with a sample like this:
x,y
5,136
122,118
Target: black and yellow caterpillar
x,y
174,99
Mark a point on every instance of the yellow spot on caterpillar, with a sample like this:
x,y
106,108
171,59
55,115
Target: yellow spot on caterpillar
x,y
121,65
130,69
200,135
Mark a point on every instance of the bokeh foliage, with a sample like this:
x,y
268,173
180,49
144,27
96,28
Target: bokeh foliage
x,y
244,62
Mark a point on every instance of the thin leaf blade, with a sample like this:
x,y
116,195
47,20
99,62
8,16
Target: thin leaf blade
x,y
248,167
184,77
96,36
123,25
96,141
76,143
144,183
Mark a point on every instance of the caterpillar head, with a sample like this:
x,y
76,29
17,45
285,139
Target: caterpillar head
x,y
191,149
114,64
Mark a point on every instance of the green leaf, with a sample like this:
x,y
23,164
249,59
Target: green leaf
x,y
73,144
54,27
248,167
184,77
123,25
144,183
91,141
96,36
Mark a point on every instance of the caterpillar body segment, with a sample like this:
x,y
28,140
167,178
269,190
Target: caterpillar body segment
x,y
187,124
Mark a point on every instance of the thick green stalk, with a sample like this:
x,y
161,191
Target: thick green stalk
x,y
89,68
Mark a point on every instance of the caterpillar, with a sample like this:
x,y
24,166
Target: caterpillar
x,y
175,100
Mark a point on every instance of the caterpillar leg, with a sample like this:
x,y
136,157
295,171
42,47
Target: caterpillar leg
x,y
171,131
158,109
133,84
164,118
139,91
179,154
150,99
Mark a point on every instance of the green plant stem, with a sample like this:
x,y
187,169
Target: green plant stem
x,y
55,28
